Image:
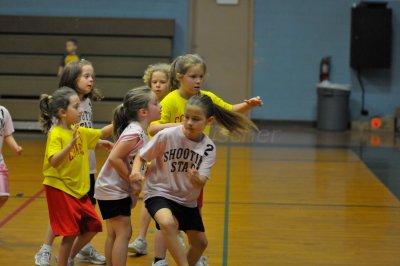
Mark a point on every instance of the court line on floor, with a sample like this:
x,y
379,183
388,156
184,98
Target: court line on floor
x,y
267,203
20,208
227,198
305,204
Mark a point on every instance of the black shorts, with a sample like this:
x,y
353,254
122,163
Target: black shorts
x,y
91,189
113,208
189,218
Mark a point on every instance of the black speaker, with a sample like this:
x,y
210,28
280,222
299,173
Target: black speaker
x,y
371,36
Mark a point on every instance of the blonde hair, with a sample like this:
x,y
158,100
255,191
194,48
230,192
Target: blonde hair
x,y
181,64
234,122
161,67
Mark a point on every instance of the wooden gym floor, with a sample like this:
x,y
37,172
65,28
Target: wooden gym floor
x,y
286,196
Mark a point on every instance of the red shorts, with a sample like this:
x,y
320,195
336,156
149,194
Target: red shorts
x,y
200,199
70,216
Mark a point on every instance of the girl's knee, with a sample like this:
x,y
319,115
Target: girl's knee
x,y
111,234
167,224
199,242
129,234
203,243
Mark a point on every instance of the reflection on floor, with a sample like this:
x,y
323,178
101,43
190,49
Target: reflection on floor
x,y
380,151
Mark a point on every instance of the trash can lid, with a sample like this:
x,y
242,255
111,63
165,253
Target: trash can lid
x,y
334,86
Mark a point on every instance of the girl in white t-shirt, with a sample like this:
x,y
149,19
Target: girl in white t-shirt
x,y
114,192
182,158
155,77
6,130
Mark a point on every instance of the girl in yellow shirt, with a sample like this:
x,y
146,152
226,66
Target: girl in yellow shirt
x,y
186,80
66,171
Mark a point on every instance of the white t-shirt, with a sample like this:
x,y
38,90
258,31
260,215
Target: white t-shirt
x,y
6,129
87,121
172,154
109,185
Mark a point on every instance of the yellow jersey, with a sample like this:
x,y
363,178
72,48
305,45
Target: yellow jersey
x,y
72,175
173,108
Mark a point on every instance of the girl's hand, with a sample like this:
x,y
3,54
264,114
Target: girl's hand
x,y
136,188
135,177
136,182
255,101
18,150
194,176
105,145
74,136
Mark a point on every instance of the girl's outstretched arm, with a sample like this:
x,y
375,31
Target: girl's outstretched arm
x,y
104,144
155,128
246,105
13,144
107,131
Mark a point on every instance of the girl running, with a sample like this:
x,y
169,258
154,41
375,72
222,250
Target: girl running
x,y
182,158
66,170
113,191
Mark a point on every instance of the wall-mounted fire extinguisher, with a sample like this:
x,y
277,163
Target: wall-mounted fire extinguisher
x,y
324,68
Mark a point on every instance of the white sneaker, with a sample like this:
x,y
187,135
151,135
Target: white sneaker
x,y
88,254
43,257
163,262
139,246
71,262
202,261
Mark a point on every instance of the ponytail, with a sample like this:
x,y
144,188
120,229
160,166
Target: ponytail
x,y
120,121
173,82
134,100
45,118
234,122
50,105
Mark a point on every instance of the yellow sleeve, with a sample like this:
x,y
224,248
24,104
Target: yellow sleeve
x,y
54,143
92,136
165,116
218,101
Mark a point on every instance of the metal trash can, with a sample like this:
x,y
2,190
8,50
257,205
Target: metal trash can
x,y
333,112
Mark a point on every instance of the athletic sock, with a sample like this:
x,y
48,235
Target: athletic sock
x,y
157,259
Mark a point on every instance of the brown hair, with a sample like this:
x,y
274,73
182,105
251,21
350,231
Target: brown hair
x,y
234,122
70,75
50,104
134,100
181,64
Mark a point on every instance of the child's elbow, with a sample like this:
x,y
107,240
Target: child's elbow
x,y
152,130
107,131
53,162
112,161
